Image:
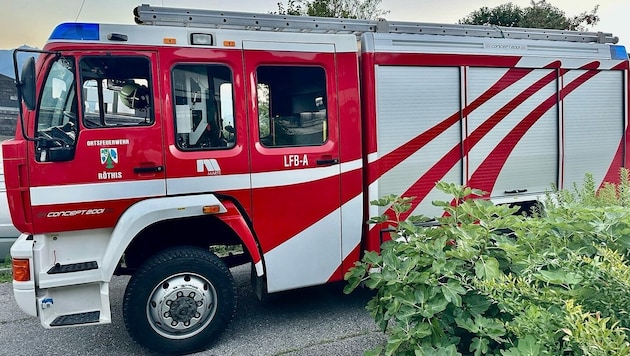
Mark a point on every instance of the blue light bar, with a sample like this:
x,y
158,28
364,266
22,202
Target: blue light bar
x,y
618,52
76,31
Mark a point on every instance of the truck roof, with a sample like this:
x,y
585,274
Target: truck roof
x,y
199,37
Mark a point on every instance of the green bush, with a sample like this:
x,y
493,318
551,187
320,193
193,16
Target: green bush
x,y
5,270
488,281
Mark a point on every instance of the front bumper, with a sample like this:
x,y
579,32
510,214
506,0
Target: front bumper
x,y
24,292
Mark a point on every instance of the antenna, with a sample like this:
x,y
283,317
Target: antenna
x,y
80,9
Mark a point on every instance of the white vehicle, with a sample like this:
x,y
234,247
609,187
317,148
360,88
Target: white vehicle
x,y
8,232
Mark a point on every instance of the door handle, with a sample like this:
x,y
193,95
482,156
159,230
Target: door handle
x,y
515,191
154,169
327,162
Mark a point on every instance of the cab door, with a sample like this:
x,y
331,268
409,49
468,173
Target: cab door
x,y
99,145
295,167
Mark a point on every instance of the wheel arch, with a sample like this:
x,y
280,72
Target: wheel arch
x,y
153,225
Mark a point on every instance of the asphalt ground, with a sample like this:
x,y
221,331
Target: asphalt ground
x,y
312,321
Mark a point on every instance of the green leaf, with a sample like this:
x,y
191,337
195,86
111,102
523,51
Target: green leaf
x,y
452,291
378,219
354,277
507,244
512,351
372,258
468,324
353,284
479,346
419,295
427,350
375,281
393,343
422,330
476,304
528,346
487,268
450,350
435,305
414,219
384,201
391,260
375,352
553,277
492,328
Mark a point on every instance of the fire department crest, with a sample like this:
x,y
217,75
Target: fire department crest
x,y
109,157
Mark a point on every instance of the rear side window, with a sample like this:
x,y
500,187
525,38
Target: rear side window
x,y
204,107
292,106
117,91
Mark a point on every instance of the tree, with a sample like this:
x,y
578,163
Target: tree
x,y
363,9
291,9
508,15
540,14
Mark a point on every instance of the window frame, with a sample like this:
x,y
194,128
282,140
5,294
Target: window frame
x,y
126,118
295,119
214,103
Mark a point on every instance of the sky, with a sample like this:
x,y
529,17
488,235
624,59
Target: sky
x,y
30,22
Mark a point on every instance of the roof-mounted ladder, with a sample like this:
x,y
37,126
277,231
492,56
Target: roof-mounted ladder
x,y
166,16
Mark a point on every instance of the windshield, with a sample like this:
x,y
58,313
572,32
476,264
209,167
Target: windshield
x,y
58,102
57,115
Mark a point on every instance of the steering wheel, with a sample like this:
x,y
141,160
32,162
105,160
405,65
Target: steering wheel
x,y
70,116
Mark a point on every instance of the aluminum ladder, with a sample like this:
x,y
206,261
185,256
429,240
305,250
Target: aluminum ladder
x,y
169,16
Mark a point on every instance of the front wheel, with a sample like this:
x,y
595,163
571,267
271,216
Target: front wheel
x,y
179,301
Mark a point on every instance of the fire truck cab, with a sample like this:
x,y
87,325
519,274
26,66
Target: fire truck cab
x,y
141,149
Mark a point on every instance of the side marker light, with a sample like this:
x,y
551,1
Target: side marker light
x,y
211,209
21,270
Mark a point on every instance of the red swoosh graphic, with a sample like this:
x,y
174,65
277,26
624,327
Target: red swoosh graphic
x,y
394,158
495,161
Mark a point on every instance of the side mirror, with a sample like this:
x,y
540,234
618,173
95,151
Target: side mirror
x,y
27,83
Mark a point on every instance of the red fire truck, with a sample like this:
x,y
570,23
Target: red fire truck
x,y
140,148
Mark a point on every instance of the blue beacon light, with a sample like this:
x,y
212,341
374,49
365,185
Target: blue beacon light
x,y
618,52
76,31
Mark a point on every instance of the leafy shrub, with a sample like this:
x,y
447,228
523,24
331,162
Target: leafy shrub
x,y
488,281
5,270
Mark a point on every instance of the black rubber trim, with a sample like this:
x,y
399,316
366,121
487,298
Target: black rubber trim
x,y
73,267
77,319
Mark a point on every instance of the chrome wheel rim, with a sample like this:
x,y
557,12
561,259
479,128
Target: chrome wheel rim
x,y
182,305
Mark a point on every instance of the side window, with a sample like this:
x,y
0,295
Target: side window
x,y
204,106
116,91
292,106
57,116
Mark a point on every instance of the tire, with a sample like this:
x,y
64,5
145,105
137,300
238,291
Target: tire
x,y
179,301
